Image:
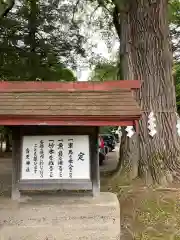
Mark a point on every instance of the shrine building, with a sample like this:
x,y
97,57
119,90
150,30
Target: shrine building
x,y
55,128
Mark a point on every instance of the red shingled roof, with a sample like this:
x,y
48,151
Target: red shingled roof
x,y
56,104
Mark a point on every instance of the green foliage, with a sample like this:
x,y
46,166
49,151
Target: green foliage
x,y
38,41
5,7
104,72
174,12
174,18
177,84
4,131
107,129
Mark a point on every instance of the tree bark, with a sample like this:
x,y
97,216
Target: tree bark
x,y
126,161
151,63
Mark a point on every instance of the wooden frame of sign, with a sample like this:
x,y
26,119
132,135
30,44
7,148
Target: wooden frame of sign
x,y
19,185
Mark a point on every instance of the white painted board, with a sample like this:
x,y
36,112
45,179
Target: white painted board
x,y
55,157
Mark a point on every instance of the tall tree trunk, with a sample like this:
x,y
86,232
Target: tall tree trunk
x,y
121,23
127,161
151,63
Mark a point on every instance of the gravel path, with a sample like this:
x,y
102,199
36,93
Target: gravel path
x,y
111,161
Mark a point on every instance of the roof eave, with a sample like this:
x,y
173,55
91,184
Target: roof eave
x,y
28,86
68,120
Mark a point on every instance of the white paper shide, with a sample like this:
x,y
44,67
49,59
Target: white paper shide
x,y
152,124
56,157
130,131
178,124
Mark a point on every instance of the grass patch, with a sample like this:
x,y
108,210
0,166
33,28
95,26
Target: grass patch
x,y
146,213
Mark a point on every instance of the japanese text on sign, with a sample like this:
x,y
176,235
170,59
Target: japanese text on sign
x,y
60,157
55,157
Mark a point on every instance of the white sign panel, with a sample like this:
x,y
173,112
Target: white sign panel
x,y
56,157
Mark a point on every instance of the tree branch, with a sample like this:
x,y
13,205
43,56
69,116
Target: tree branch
x,y
116,21
5,7
122,6
102,3
75,9
92,14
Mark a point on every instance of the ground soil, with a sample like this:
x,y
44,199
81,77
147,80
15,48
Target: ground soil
x,y
147,213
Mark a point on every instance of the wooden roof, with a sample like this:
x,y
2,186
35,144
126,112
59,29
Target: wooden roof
x,y
41,103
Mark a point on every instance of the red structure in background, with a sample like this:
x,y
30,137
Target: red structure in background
x,y
68,86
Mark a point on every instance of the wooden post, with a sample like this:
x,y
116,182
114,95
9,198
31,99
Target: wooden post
x,y
16,155
95,164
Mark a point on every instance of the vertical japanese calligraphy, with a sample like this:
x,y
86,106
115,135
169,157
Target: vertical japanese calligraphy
x,y
41,163
55,157
51,157
27,160
81,156
70,154
60,148
35,159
